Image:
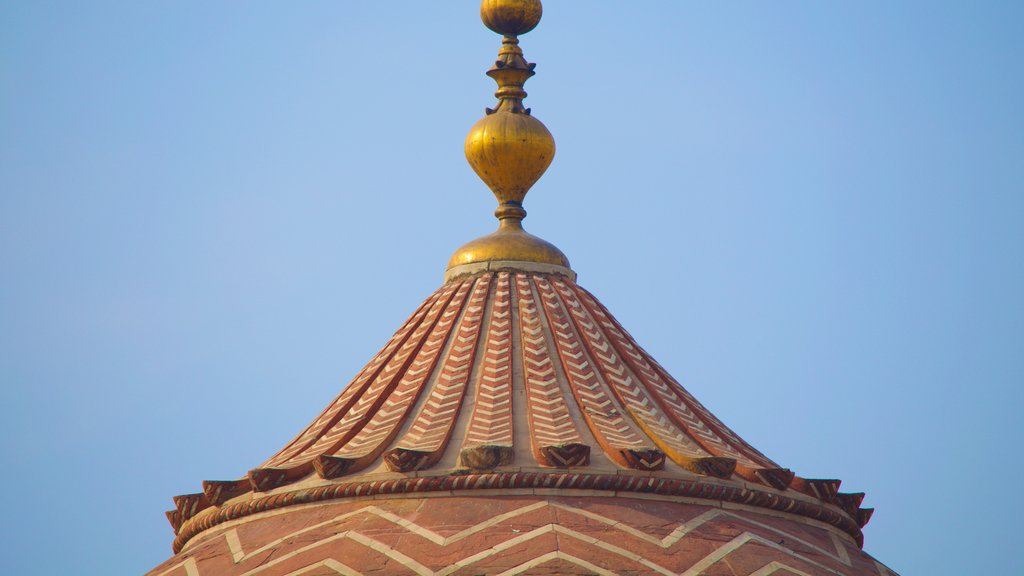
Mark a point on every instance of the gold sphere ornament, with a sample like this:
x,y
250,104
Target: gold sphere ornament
x,y
509,152
511,17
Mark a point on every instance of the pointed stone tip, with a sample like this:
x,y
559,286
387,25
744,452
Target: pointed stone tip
x,y
716,466
864,516
850,502
220,491
822,489
778,478
487,457
645,459
174,517
566,455
263,479
189,505
328,467
405,460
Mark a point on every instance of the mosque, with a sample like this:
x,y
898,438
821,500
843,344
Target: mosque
x,y
512,426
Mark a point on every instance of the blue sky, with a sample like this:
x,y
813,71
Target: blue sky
x,y
213,213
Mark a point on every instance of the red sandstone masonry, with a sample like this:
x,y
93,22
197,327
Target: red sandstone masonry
x,y
489,535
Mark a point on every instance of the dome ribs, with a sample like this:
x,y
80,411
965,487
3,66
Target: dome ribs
x,y
710,421
681,408
553,435
220,491
466,443
351,393
426,439
619,438
488,330
385,418
386,381
488,442
362,408
645,410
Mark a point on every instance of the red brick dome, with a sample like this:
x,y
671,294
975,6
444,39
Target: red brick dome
x,y
513,426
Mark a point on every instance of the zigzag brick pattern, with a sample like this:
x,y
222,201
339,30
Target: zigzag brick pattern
x,y
491,422
676,401
707,418
555,438
525,373
344,401
423,445
679,446
362,409
388,378
521,535
613,431
375,436
455,373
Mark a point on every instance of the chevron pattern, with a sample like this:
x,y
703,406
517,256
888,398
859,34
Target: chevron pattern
x,y
617,435
488,442
361,411
556,441
495,362
519,536
385,382
638,360
749,464
355,388
432,427
384,425
670,438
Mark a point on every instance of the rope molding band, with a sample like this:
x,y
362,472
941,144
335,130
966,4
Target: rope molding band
x,y
514,480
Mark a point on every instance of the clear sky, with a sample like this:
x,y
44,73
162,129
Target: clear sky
x,y
213,213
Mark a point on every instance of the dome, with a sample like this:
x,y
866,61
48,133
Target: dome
x,y
513,426
510,422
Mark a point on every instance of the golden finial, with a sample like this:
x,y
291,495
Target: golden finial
x,y
509,150
511,17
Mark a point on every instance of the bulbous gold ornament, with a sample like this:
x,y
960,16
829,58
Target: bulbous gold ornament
x,y
511,17
509,152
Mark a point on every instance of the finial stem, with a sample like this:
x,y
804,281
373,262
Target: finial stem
x,y
510,71
508,148
510,210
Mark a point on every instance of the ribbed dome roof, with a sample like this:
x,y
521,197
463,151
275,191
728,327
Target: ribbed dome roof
x,y
511,426
502,374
